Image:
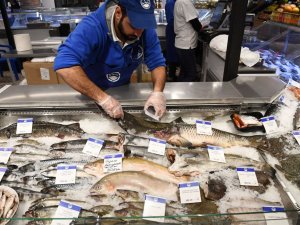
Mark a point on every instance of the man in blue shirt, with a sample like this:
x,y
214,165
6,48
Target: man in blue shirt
x,y
107,46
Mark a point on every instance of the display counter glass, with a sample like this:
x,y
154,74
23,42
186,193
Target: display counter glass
x,y
279,47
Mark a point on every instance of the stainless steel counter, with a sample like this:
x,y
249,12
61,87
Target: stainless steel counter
x,y
243,90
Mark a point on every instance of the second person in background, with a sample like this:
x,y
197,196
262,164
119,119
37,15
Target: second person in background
x,y
186,27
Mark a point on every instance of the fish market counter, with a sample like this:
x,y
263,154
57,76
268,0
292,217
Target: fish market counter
x,y
242,90
62,161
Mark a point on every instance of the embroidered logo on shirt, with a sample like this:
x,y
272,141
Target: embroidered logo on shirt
x,y
113,77
145,4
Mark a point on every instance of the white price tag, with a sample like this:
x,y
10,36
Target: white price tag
x,y
113,163
154,207
189,192
2,172
293,83
45,74
204,127
296,134
275,215
66,174
216,153
65,210
247,176
270,124
157,146
24,126
93,147
5,154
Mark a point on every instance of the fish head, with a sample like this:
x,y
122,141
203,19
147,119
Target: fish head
x,y
102,187
30,214
94,168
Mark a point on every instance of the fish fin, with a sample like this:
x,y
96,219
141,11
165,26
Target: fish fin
x,y
178,120
179,141
75,126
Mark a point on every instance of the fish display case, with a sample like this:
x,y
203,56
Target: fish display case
x,y
46,17
66,127
279,47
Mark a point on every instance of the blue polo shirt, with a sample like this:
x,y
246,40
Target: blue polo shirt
x,y
105,62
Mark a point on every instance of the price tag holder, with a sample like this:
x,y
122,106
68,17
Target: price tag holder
x,y
204,127
216,153
66,174
247,176
65,210
113,163
270,124
189,192
293,83
5,154
282,99
157,146
296,134
93,147
24,126
154,207
278,217
2,172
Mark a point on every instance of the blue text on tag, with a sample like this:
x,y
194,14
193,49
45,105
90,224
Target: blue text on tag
x,y
155,199
273,209
189,184
70,206
119,155
245,169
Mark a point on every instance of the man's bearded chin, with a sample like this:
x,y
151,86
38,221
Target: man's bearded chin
x,y
122,33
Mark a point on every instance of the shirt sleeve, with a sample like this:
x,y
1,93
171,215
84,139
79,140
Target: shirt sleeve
x,y
188,10
153,56
81,47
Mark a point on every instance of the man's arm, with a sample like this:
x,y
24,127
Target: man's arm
x,y
77,79
159,78
196,24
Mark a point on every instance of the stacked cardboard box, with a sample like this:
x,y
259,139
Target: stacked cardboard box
x,y
41,73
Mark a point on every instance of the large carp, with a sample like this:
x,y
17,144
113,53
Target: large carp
x,y
135,181
185,135
43,129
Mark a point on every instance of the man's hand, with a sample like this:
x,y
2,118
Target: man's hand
x,y
158,101
112,107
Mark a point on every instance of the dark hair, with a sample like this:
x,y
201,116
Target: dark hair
x,y
123,10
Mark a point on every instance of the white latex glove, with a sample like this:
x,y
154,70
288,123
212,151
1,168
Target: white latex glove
x,y
112,107
158,101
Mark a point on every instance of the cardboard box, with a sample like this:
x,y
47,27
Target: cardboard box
x,y
40,73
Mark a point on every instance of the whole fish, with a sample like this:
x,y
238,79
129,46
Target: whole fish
x,y
185,135
52,173
46,202
202,164
29,149
29,141
135,181
80,143
44,129
49,211
136,164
